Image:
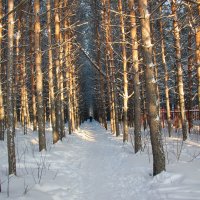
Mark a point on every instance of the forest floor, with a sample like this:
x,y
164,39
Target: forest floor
x,y
92,164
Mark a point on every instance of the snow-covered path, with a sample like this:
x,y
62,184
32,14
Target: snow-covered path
x,y
94,165
99,168
103,173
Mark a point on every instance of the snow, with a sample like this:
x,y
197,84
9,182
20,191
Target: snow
x,y
92,164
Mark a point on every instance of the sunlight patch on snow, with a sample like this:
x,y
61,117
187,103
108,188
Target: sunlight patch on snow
x,y
86,135
34,141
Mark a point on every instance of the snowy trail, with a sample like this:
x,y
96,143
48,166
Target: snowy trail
x,y
102,172
94,165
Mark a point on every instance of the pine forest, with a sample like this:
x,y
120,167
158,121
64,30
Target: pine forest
x,y
100,99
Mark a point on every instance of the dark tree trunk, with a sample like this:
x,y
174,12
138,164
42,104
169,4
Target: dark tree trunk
x,y
10,113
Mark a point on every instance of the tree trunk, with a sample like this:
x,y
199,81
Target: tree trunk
x,y
58,69
101,78
71,92
24,93
104,24
10,113
39,78
33,96
2,115
177,46
190,82
51,80
198,54
153,36
61,56
166,76
112,68
67,63
136,78
156,137
125,73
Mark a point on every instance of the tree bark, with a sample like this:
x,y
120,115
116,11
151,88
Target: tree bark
x,y
51,79
108,80
61,56
101,78
2,115
32,65
190,81
166,75
198,54
136,78
67,63
155,134
39,78
177,46
58,69
24,93
10,111
112,67
125,73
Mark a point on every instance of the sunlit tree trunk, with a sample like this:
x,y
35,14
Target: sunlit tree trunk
x,y
67,66
51,80
125,73
190,82
155,134
75,105
104,25
61,57
58,69
101,78
166,75
2,115
24,93
177,46
136,78
198,54
71,92
154,51
39,78
112,68
70,76
10,113
32,66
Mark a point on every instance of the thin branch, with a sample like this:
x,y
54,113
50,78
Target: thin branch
x,y
20,4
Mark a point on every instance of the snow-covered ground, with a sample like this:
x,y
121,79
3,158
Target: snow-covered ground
x,y
94,165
